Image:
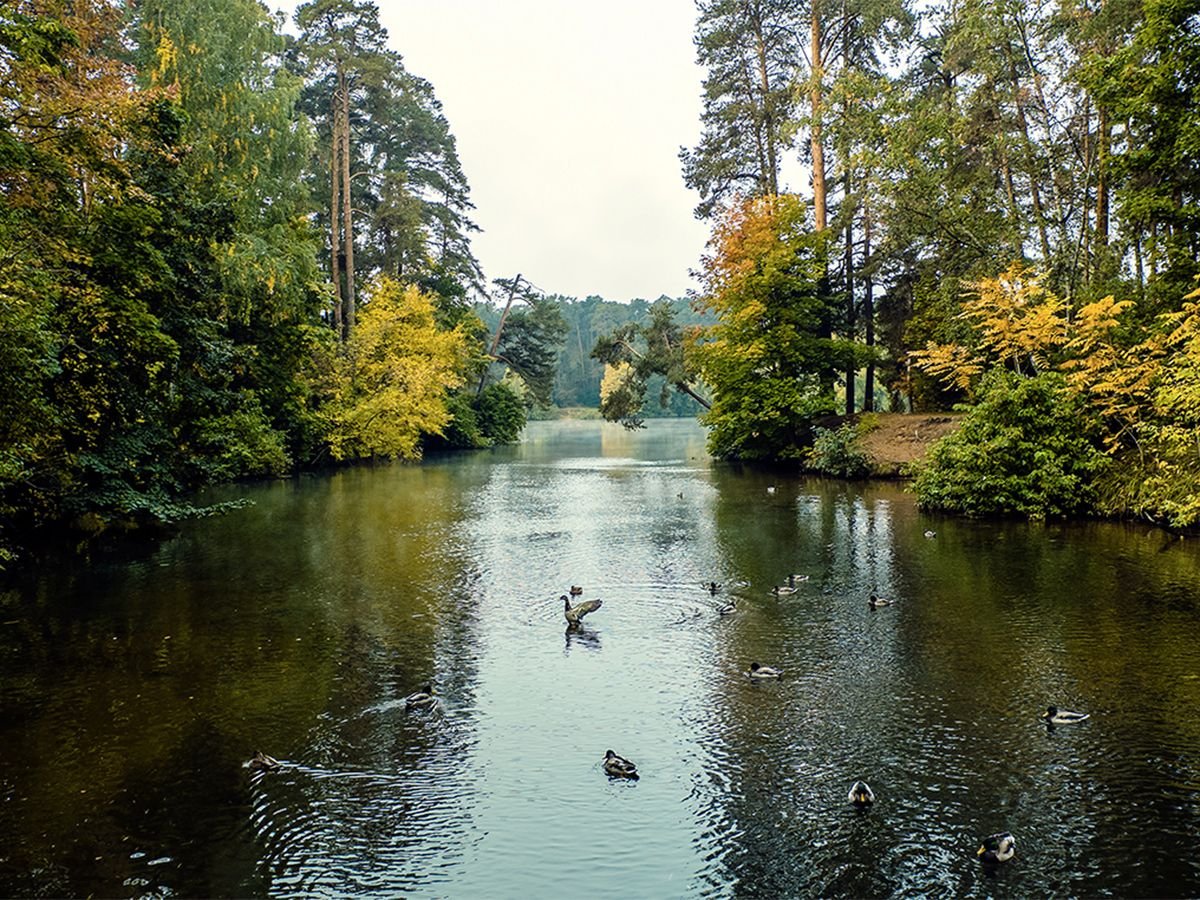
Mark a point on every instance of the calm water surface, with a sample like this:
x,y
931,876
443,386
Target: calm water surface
x,y
131,694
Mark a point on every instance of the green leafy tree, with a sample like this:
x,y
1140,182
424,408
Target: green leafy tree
x,y
766,357
636,352
749,52
530,344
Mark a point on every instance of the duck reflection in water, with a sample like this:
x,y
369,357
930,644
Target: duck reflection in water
x,y
577,635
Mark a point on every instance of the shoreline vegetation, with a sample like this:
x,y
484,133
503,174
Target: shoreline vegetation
x,y
236,260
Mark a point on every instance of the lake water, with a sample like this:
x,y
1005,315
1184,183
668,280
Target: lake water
x,y
132,693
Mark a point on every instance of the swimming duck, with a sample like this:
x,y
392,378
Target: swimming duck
x,y
931,534
418,699
997,848
728,608
876,601
1055,716
782,590
575,614
761,671
576,590
861,794
260,762
618,766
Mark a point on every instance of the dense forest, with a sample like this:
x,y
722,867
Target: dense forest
x,y
1002,212
229,251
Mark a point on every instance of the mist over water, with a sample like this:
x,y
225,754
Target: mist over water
x,y
132,693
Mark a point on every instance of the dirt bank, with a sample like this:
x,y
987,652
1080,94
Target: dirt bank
x,y
901,438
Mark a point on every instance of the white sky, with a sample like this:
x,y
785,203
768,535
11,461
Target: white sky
x,y
569,117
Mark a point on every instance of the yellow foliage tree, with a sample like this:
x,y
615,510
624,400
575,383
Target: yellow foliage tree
x,y
1117,380
390,386
1017,323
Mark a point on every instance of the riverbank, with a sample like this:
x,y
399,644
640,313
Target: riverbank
x,y
896,440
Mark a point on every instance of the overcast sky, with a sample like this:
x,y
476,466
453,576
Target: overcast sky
x,y
569,117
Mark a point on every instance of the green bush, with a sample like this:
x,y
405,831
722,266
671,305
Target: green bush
x,y
496,416
500,410
1027,448
838,452
462,432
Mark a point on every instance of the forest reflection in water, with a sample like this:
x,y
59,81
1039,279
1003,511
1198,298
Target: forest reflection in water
x,y
132,693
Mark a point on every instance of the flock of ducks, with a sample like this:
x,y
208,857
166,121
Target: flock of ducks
x,y
994,849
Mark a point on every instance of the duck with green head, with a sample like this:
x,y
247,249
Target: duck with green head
x,y
997,848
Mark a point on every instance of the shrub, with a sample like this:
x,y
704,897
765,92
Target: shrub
x,y
1027,448
500,411
838,452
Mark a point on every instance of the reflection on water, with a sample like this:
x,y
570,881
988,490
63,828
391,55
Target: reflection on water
x,y
131,695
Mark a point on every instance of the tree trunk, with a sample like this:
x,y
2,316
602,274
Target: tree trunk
x,y
335,239
869,318
768,118
1103,145
347,222
1039,214
512,290
851,371
816,138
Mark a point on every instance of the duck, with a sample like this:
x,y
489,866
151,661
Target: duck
x,y
760,671
997,848
576,590
1055,716
770,488
421,698
728,608
876,601
792,579
930,533
618,766
260,762
575,614
782,590
861,794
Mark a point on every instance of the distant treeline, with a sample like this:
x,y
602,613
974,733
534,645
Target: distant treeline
x,y
578,373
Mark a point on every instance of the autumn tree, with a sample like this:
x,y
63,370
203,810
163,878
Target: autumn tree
x,y
766,357
389,388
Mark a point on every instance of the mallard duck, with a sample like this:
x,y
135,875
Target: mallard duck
x,y
260,762
418,699
792,579
997,848
876,601
861,794
728,608
761,671
575,614
576,590
931,534
1055,716
618,766
782,590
